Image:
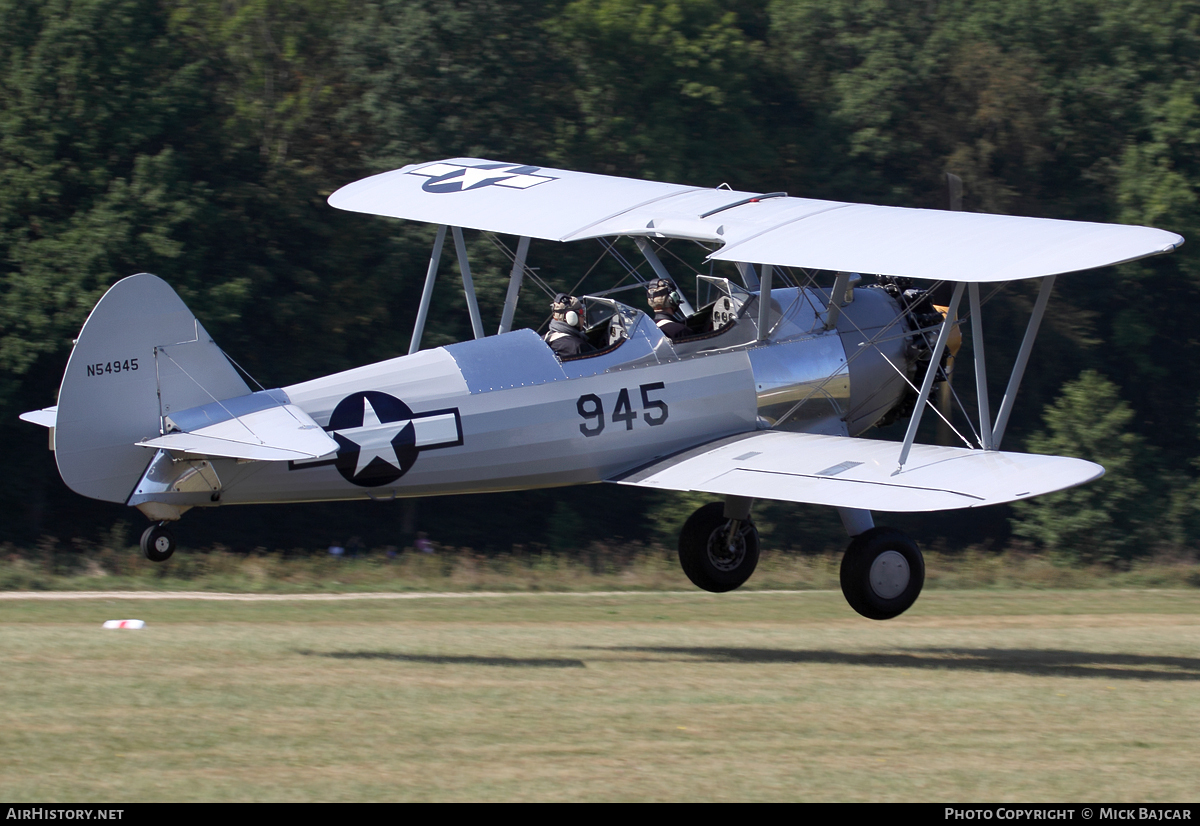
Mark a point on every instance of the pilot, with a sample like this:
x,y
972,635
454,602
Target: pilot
x,y
664,302
565,336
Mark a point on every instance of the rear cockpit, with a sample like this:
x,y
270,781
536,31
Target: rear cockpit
x,y
622,335
609,324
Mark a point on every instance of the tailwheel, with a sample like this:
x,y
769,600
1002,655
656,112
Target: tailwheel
x,y
158,543
882,573
716,553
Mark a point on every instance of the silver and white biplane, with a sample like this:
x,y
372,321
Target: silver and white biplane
x,y
763,400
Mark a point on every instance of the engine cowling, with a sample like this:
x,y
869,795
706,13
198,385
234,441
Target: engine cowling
x,y
855,375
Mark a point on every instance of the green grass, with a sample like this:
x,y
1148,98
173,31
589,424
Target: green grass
x,y
997,694
597,568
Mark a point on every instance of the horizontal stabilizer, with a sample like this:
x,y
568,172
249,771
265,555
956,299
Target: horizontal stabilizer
x,y
46,417
262,426
846,472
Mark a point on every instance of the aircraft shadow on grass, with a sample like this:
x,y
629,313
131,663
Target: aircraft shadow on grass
x,y
395,656
1036,662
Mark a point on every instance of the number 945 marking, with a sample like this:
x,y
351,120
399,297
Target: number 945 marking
x,y
591,408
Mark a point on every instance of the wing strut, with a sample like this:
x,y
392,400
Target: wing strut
x,y
990,434
427,293
839,296
764,302
460,249
981,394
657,265
514,285
749,276
935,359
1018,371
464,266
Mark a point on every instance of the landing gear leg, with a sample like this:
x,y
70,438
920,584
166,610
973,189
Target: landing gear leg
x,y
856,521
158,543
718,546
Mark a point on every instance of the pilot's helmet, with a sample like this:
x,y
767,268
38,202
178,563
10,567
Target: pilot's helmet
x,y
662,297
568,309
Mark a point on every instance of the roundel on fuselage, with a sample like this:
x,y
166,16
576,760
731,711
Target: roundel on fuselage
x,y
376,438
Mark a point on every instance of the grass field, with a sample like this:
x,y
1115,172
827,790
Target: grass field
x,y
599,567
999,695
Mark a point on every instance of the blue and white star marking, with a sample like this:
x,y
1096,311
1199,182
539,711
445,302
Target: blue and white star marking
x,y
379,437
451,177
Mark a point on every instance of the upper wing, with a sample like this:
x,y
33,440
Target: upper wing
x,y
860,473
552,204
562,205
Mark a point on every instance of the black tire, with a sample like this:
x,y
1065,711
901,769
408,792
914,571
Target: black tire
x,y
158,543
882,573
705,553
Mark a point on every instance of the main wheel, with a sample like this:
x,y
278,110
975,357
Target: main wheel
x,y
882,573
158,543
712,558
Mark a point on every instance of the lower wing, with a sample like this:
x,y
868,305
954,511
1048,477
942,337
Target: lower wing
x,y
847,472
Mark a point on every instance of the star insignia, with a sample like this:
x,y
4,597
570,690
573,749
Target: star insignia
x,y
374,438
449,177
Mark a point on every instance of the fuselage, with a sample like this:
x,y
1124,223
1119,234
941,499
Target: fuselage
x,y
504,413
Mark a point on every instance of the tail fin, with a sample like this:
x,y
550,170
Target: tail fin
x,y
140,355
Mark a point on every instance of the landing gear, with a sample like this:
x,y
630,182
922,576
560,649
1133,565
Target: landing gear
x,y
716,553
158,543
882,573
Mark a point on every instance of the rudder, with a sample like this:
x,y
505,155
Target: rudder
x,y
140,355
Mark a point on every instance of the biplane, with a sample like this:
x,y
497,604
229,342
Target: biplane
x,y
807,331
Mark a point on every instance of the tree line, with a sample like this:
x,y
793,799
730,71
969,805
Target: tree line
x,y
198,139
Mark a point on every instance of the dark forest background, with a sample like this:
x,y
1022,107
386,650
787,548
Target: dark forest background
x,y
198,140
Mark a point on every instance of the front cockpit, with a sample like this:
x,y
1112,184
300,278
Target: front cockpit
x,y
719,324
